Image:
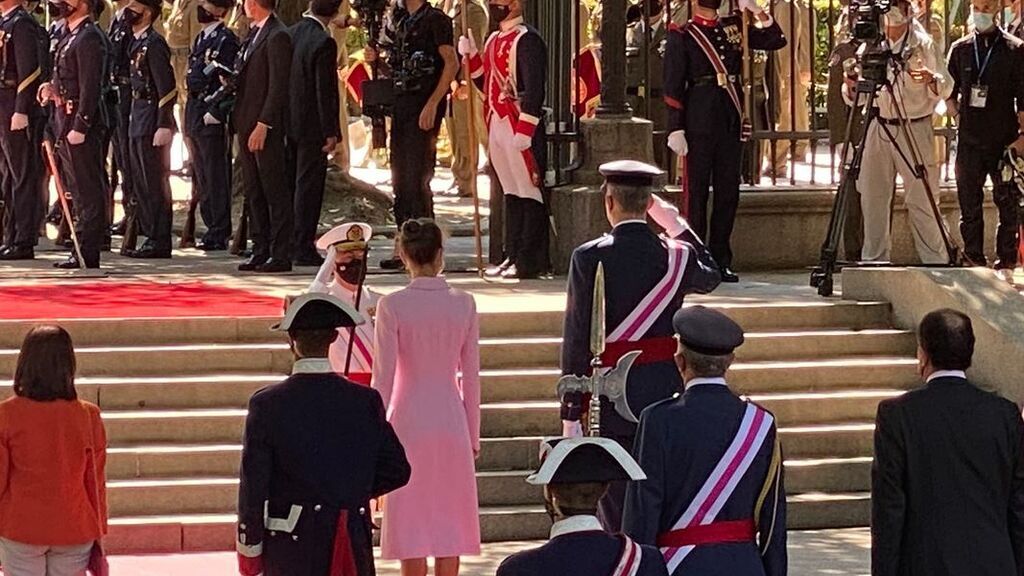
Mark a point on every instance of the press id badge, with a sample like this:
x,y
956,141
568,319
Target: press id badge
x,y
979,96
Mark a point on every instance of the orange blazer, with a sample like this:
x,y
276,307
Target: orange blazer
x,y
49,494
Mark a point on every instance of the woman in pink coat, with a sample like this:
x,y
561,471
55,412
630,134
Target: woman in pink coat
x,y
426,334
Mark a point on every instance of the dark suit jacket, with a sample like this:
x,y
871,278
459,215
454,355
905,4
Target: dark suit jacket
x,y
948,483
313,113
322,444
264,65
635,259
579,554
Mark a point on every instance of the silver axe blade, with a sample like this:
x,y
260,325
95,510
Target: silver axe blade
x,y
612,384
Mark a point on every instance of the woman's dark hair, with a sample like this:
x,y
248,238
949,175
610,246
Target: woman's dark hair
x,y
420,240
947,337
46,365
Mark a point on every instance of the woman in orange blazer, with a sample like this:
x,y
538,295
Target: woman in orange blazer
x,y
53,448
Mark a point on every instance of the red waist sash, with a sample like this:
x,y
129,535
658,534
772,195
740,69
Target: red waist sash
x,y
714,533
653,350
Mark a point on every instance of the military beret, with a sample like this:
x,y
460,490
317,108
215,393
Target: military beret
x,y
584,461
707,331
318,311
630,173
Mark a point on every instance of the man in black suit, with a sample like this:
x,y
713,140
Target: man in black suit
x,y
317,448
260,120
313,127
646,278
947,489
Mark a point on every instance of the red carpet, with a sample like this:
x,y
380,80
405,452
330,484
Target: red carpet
x,y
132,300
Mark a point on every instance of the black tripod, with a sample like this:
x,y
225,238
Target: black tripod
x,y
822,275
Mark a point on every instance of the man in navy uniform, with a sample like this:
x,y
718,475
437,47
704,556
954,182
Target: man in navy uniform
x,y
22,63
714,500
314,126
317,448
152,127
704,95
121,36
575,472
206,121
76,92
646,277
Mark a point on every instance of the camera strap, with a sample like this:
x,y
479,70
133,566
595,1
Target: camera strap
x,y
721,71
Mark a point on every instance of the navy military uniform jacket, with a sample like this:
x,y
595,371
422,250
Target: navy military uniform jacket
x,y
947,490
313,113
153,87
120,35
584,553
635,259
679,445
316,446
219,44
695,100
23,64
78,71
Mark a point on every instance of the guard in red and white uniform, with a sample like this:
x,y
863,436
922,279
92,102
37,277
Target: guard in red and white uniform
x,y
511,73
342,275
714,500
646,277
574,473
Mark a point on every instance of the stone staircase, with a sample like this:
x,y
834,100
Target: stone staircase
x,y
174,392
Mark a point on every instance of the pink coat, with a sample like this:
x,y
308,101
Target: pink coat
x,y
425,335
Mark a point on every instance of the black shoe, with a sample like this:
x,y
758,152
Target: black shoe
x,y
18,253
150,253
309,260
252,263
4,248
392,264
119,227
510,273
212,246
728,276
72,264
274,266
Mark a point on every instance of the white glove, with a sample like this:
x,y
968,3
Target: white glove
x,y
19,122
667,216
521,142
75,137
467,45
572,429
325,274
162,137
751,6
210,119
677,142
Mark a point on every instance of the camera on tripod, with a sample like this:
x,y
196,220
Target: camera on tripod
x,y
873,58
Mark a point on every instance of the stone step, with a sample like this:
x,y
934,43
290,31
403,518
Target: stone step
x,y
799,408
758,315
216,532
849,440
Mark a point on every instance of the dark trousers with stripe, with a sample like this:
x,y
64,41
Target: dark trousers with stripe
x,y
22,168
150,168
714,163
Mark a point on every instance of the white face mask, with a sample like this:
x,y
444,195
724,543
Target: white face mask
x,y
982,22
895,17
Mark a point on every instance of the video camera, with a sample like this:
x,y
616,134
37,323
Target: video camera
x,y
868,29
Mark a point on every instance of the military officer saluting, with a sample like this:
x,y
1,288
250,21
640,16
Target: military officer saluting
x,y
22,61
575,472
646,278
317,448
152,127
76,92
706,118
206,121
714,500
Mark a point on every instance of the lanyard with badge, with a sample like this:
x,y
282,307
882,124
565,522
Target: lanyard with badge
x,y
979,91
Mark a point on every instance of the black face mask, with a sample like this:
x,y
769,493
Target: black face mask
x,y
352,272
204,16
59,9
131,17
712,4
499,12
